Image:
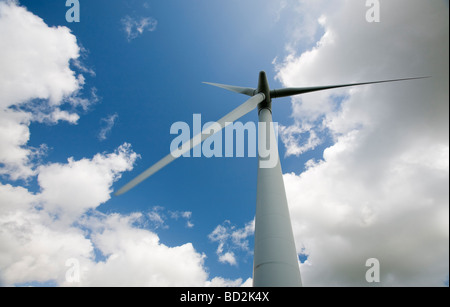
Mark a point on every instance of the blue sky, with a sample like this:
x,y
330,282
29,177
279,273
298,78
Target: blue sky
x,y
136,85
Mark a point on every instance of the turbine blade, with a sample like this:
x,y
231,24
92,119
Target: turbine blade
x,y
234,115
237,89
285,92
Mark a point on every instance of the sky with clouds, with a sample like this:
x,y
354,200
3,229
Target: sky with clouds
x,y
86,106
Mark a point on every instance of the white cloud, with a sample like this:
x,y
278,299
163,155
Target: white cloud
x,y
159,217
37,235
382,189
293,138
221,282
28,47
135,27
135,257
108,124
40,232
228,257
35,80
231,238
69,190
14,199
239,236
56,116
187,215
32,246
14,134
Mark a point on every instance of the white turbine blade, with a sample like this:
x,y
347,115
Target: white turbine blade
x,y
237,89
234,115
291,91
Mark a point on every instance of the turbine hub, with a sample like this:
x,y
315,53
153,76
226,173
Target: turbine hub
x,y
263,87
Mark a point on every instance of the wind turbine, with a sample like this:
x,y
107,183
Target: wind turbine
x,y
275,260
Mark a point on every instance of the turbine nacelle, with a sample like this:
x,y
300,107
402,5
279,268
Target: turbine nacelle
x,y
263,87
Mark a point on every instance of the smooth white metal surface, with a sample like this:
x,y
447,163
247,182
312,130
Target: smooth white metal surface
x,y
275,258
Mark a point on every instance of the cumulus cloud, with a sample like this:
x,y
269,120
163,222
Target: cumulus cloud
x,y
31,245
37,234
381,189
35,81
28,46
40,232
134,27
135,257
61,184
14,135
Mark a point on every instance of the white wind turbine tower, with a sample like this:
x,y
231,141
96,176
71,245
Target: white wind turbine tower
x,y
275,262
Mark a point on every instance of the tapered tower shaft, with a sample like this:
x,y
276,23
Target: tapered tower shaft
x,y
275,257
